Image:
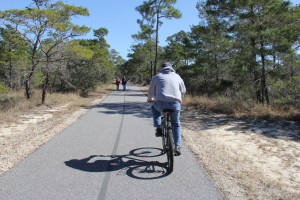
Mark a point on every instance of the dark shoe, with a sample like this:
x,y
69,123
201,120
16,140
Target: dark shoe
x,y
158,132
177,151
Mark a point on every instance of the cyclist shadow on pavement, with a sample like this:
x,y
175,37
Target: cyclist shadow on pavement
x,y
137,164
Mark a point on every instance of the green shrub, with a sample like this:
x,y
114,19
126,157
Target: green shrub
x,y
3,89
38,79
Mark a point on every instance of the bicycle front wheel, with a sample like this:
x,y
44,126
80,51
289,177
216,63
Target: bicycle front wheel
x,y
170,150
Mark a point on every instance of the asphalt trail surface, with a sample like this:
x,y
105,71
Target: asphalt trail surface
x,y
109,153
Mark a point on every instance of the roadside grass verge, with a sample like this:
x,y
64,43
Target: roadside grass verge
x,y
14,103
240,108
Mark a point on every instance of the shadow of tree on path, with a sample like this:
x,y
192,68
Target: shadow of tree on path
x,y
138,109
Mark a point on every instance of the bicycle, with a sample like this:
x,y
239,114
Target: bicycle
x,y
168,139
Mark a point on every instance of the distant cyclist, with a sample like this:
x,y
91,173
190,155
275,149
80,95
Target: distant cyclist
x,y
166,90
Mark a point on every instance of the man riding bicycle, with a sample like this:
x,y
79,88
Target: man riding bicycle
x,y
166,90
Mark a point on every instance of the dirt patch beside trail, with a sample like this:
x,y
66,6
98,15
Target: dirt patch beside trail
x,y
247,159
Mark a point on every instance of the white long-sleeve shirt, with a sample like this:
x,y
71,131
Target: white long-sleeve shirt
x,y
166,86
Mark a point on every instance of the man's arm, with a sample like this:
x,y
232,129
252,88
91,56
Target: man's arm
x,y
182,88
151,91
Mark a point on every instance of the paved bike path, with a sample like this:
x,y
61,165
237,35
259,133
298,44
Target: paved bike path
x,y
109,153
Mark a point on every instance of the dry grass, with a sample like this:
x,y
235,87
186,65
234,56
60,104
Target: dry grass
x,y
238,108
241,108
20,105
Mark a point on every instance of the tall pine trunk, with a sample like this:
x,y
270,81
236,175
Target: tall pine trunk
x,y
28,79
264,89
156,42
254,71
28,90
46,81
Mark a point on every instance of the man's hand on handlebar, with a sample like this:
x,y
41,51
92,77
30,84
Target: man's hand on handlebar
x,y
151,100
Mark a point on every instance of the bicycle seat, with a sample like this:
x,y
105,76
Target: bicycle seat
x,y
168,110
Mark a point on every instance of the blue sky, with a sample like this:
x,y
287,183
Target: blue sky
x,y
119,17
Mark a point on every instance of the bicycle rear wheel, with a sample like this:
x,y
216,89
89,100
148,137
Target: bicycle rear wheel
x,y
170,150
164,140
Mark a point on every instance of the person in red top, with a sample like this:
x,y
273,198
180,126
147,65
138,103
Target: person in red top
x,y
118,81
